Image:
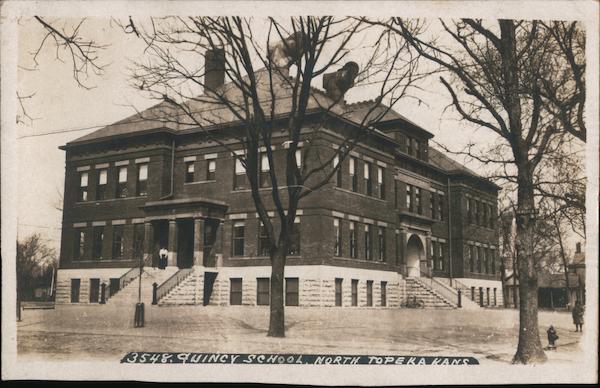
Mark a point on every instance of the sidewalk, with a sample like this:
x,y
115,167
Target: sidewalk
x,y
108,332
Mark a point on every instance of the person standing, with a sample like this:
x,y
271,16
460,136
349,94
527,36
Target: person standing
x,y
164,254
578,311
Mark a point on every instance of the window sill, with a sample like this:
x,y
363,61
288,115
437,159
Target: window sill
x,y
198,182
360,260
261,257
109,200
360,194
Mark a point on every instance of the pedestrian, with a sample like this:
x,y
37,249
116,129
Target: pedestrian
x,y
578,311
552,337
164,254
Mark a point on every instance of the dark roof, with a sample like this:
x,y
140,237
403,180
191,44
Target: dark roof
x,y
445,163
211,113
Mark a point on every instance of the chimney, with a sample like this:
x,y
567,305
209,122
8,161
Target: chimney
x,y
578,247
336,84
214,69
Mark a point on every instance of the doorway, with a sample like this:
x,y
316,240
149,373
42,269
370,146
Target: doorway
x,y
414,253
185,243
210,237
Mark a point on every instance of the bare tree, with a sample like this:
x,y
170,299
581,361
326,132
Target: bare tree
x,y
503,76
271,66
83,53
34,258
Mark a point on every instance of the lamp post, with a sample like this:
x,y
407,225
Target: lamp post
x,y
139,307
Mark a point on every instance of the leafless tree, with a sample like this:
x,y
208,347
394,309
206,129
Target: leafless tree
x,y
82,52
271,66
34,257
522,80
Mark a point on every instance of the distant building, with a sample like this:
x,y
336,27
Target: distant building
x,y
397,212
552,287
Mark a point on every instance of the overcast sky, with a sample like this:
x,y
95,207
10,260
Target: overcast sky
x,y
60,105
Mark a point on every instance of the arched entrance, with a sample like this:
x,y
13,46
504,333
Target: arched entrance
x,y
414,253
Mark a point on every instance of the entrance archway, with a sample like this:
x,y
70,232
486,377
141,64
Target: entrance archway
x,y
414,253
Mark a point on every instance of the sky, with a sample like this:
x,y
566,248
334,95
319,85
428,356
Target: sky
x,y
59,105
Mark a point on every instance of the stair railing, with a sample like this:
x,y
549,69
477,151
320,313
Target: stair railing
x,y
445,291
172,282
130,276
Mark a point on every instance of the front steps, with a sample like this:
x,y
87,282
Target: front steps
x,y
431,299
129,294
186,292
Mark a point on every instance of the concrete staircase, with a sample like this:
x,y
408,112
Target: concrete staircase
x,y
187,292
432,299
129,294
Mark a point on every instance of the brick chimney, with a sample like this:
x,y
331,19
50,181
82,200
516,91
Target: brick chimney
x,y
214,69
578,247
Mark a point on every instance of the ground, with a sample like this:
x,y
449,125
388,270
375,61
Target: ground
x,y
106,332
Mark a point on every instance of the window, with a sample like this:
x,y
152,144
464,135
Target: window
x,y
493,261
353,250
338,173
398,258
432,208
291,291
469,209
238,238
484,214
235,291
368,248
83,187
142,179
418,149
433,251
479,259
485,260
477,212
101,184
487,296
354,286
369,293
418,200
294,248
117,251
381,243
472,258
492,217
75,286
495,300
138,241
380,182
98,240
239,180
94,290
441,252
409,148
264,244
263,288
473,294
367,174
211,169
440,207
122,182
338,291
409,204
78,244
396,191
353,178
337,235
298,157
481,296
265,175
189,171
383,294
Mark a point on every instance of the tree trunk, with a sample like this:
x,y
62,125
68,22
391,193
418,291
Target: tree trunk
x,y
277,316
529,349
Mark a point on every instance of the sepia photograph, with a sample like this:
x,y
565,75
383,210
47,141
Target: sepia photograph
x,y
325,193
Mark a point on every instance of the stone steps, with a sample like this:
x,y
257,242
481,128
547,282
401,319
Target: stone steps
x,y
185,293
430,298
129,294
